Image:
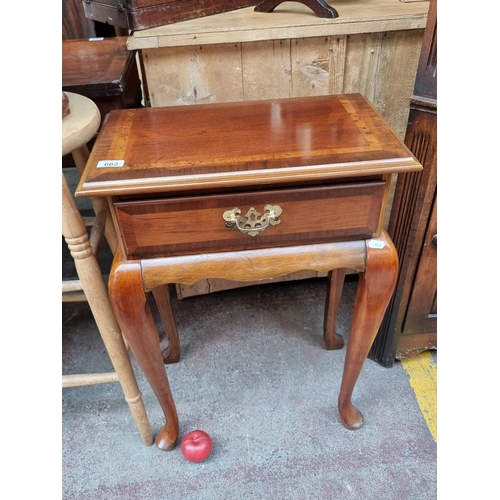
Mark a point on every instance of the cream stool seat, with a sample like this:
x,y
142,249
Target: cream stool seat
x,y
81,124
78,128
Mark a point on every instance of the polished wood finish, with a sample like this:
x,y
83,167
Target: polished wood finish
x,y
102,70
375,289
170,173
133,312
130,279
243,55
252,264
244,145
372,48
410,323
194,224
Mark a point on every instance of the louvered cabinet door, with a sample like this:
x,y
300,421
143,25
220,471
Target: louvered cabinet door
x,y
410,322
421,317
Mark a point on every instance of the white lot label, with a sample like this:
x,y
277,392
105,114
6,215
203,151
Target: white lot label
x,y
110,163
376,244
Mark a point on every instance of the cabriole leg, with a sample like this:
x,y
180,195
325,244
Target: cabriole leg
x,y
136,321
375,289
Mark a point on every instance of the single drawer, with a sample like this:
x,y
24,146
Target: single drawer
x,y
188,225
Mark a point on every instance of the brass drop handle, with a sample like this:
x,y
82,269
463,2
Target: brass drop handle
x,y
252,223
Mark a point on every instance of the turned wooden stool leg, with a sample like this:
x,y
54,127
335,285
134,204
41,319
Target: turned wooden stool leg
x,y
375,289
89,273
171,354
333,295
134,316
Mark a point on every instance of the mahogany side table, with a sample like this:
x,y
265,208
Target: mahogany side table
x,y
246,191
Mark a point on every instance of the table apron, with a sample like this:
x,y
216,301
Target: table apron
x,y
252,265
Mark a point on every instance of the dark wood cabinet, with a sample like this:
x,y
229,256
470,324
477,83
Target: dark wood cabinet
x,y
410,323
145,14
102,70
75,24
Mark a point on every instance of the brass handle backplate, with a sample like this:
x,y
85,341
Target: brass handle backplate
x,y
252,223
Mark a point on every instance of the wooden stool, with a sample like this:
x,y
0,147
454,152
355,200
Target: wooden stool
x,y
78,127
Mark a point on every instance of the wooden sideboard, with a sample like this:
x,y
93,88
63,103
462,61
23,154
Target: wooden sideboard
x,y
372,48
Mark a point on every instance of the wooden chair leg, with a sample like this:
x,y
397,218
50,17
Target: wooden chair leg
x,y
134,315
95,289
375,289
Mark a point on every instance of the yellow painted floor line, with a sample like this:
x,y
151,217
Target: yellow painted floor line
x,y
422,371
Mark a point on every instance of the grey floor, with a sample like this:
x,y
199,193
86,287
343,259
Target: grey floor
x,y
253,374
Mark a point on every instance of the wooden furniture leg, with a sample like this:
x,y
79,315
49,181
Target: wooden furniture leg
x,y
375,289
89,273
172,353
376,260
134,315
333,295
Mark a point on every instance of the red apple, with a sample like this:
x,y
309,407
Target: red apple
x,y
196,446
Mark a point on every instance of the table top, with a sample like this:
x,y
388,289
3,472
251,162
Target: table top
x,y
242,144
95,64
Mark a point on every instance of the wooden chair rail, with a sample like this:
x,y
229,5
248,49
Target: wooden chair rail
x,y
82,379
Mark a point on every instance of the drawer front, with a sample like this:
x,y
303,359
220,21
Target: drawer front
x,y
190,225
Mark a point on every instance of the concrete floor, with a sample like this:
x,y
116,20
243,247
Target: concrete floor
x,y
253,374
